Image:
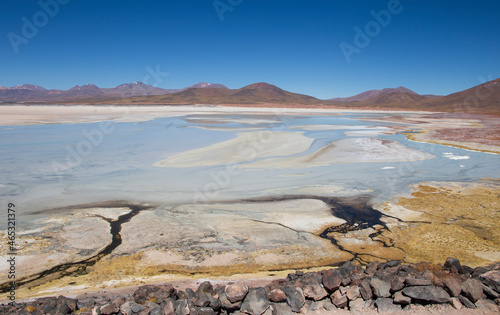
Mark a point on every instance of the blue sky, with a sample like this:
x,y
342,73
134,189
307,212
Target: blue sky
x,y
431,47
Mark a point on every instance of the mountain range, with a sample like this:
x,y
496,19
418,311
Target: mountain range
x,y
483,98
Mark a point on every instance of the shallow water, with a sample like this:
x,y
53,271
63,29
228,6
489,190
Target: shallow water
x,y
55,165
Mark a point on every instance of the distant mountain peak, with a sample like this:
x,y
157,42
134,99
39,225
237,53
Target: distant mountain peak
x,y
372,93
203,85
261,86
29,87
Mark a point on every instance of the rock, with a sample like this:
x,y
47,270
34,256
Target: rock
x,y
397,283
119,300
491,279
385,305
343,290
190,294
312,287
294,298
479,271
357,305
129,308
202,311
428,294
226,304
202,299
372,268
236,292
169,307
339,299
473,290
399,298
182,308
277,296
205,287
466,302
466,270
490,292
153,293
453,264
282,309
109,309
452,285
347,268
386,274
455,302
71,303
346,280
380,288
413,282
332,279
365,289
392,263
487,305
255,302
87,303
155,309
353,293
406,269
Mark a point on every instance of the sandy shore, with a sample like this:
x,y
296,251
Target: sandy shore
x,y
52,114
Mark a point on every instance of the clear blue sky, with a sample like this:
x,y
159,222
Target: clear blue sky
x,y
431,47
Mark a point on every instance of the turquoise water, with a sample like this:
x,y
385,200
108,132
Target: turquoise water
x,y
54,165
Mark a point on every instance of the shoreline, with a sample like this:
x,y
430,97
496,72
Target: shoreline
x,y
40,114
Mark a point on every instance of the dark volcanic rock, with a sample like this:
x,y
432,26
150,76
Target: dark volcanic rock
x,y
365,289
413,282
466,302
491,279
130,307
392,263
453,264
452,285
202,300
397,283
479,271
294,298
399,298
332,279
347,268
226,304
473,290
205,287
282,309
312,287
256,301
236,292
153,292
490,292
380,288
466,270
353,293
339,299
385,305
372,268
428,294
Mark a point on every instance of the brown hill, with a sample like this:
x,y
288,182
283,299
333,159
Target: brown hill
x,y
483,98
373,93
256,93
